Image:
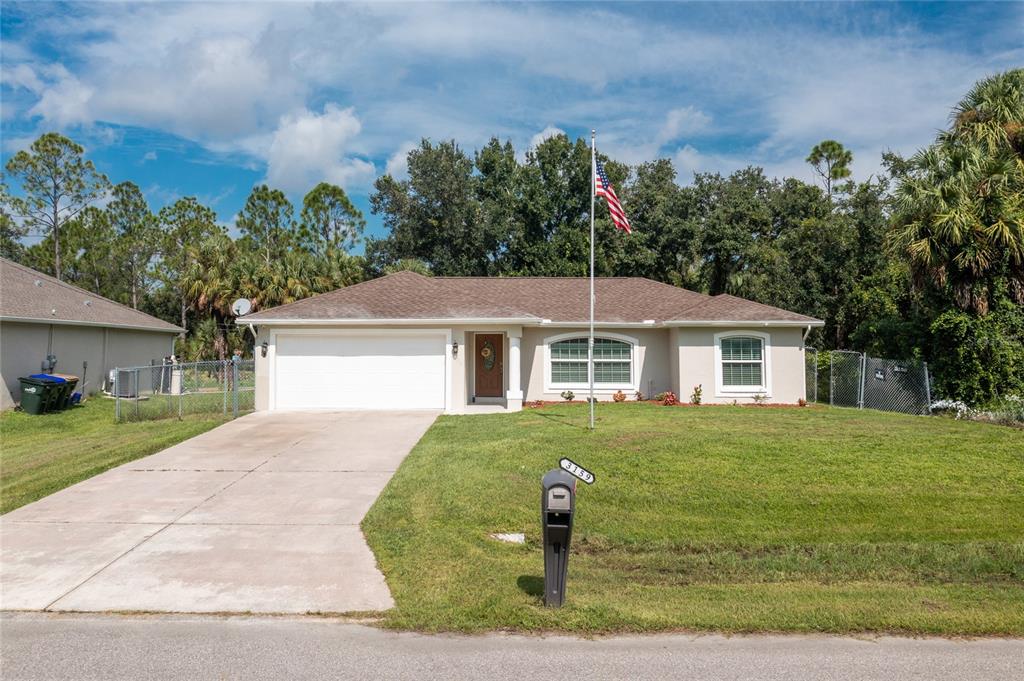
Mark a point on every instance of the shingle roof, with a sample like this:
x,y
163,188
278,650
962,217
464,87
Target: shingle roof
x,y
726,308
407,295
26,294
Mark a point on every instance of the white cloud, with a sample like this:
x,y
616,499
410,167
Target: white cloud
x,y
398,163
149,156
308,148
547,133
755,84
23,76
61,98
684,121
688,161
14,144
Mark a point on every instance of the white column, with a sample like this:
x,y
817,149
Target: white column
x,y
514,396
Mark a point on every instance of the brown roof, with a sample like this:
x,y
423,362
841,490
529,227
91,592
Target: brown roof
x,y
407,295
726,308
28,295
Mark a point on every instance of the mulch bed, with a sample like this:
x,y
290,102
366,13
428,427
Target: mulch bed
x,y
540,404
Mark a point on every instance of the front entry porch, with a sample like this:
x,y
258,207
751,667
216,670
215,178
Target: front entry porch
x,y
494,371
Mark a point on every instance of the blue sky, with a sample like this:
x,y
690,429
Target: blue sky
x,y
208,99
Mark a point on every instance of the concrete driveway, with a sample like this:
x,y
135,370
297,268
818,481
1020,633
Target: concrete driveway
x,y
258,515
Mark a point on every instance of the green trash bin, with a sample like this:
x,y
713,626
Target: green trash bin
x,y
36,395
56,393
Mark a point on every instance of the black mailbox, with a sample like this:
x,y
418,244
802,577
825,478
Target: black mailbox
x,y
557,508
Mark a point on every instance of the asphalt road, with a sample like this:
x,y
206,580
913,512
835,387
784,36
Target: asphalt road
x,y
61,646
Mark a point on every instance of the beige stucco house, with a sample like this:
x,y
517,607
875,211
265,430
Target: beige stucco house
x,y
87,334
464,344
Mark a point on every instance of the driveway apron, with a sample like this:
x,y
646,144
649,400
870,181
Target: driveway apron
x,y
258,515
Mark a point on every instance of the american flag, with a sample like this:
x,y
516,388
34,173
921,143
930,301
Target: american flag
x,y
602,187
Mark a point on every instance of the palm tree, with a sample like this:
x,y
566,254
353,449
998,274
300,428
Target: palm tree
x,y
296,275
959,211
209,284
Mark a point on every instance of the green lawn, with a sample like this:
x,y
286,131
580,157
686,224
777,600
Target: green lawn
x,y
713,518
42,454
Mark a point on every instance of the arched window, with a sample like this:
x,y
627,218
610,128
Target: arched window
x,y
567,363
743,366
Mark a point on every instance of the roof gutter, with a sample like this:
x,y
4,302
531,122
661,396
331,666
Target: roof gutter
x,y
387,322
526,321
744,322
75,322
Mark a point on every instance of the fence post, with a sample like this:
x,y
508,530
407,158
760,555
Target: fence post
x,y
831,378
234,386
927,388
224,374
136,391
863,379
117,395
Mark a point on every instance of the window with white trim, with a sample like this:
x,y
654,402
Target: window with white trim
x,y
742,361
613,362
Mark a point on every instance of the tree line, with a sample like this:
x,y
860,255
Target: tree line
x,y
179,263
922,259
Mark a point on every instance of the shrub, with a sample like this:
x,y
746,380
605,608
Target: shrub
x,y
698,390
760,398
978,359
568,395
954,408
619,396
668,398
1008,411
660,397
639,396
802,402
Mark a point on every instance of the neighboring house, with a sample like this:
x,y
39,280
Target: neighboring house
x,y
41,316
406,341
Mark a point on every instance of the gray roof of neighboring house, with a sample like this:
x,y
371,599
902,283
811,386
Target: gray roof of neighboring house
x,y
407,295
31,296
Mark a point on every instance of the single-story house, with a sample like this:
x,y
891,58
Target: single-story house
x,y
406,341
44,320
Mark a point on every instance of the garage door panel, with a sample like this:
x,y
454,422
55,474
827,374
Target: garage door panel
x,y
360,372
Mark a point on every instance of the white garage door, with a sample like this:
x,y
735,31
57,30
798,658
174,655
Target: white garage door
x,y
385,371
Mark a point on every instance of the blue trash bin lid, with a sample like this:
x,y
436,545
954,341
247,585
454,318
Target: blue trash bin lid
x,y
49,377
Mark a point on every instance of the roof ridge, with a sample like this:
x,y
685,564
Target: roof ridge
x,y
79,289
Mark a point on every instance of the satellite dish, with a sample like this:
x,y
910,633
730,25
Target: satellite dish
x,y
241,307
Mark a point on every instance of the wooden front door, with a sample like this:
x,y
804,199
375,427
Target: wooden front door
x,y
489,364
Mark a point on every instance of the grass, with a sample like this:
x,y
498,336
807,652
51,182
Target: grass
x,y
42,454
159,406
734,519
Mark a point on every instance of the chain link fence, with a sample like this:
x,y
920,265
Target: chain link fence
x,y
175,390
843,378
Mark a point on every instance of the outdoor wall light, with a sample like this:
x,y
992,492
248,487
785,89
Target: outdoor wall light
x,y
455,349
263,349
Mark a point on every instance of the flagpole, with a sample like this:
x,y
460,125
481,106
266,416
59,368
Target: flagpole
x,y
593,198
